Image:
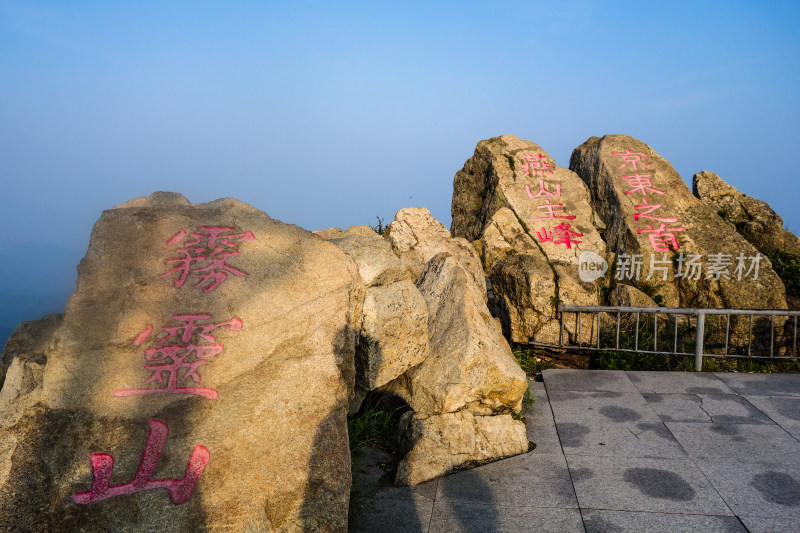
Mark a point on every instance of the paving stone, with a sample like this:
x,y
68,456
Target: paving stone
x,y
457,517
781,409
686,382
763,490
737,443
616,407
637,484
792,429
771,525
401,509
587,380
539,423
536,480
603,439
597,521
762,384
723,408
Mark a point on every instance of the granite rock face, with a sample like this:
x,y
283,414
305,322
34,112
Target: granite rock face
x,y
416,237
664,237
186,388
393,336
469,375
444,442
531,220
754,219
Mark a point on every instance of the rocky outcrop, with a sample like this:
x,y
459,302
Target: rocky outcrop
x,y
627,296
531,221
393,336
435,345
416,237
469,376
199,380
664,236
440,443
754,219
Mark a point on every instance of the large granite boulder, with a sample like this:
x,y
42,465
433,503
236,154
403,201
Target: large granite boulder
x,y
440,443
754,219
393,335
199,380
416,237
468,386
666,240
532,221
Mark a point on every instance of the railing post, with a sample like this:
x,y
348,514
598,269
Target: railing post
x,y
698,347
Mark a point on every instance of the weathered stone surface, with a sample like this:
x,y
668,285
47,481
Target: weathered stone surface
x,y
269,407
30,338
513,199
754,219
416,237
393,336
377,264
627,296
470,365
625,193
440,443
394,333
337,233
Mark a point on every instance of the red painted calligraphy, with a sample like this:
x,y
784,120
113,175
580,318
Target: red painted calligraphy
x,y
179,489
174,352
205,255
542,190
632,159
561,234
641,183
662,238
649,208
550,212
536,165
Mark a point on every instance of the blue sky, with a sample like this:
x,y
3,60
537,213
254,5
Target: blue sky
x,y
330,114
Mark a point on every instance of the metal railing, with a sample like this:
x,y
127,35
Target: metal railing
x,y
773,316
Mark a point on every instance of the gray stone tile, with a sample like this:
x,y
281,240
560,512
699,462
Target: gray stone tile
x,y
637,439
793,429
762,384
708,408
539,480
781,409
597,521
753,489
685,382
771,525
475,517
395,509
637,484
613,407
737,443
539,424
587,380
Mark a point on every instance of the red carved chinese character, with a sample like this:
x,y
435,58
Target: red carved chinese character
x,y
642,183
550,211
632,159
542,190
561,234
649,209
180,490
536,165
205,254
663,239
180,355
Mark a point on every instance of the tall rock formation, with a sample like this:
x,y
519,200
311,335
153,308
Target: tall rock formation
x,y
199,380
531,220
666,240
